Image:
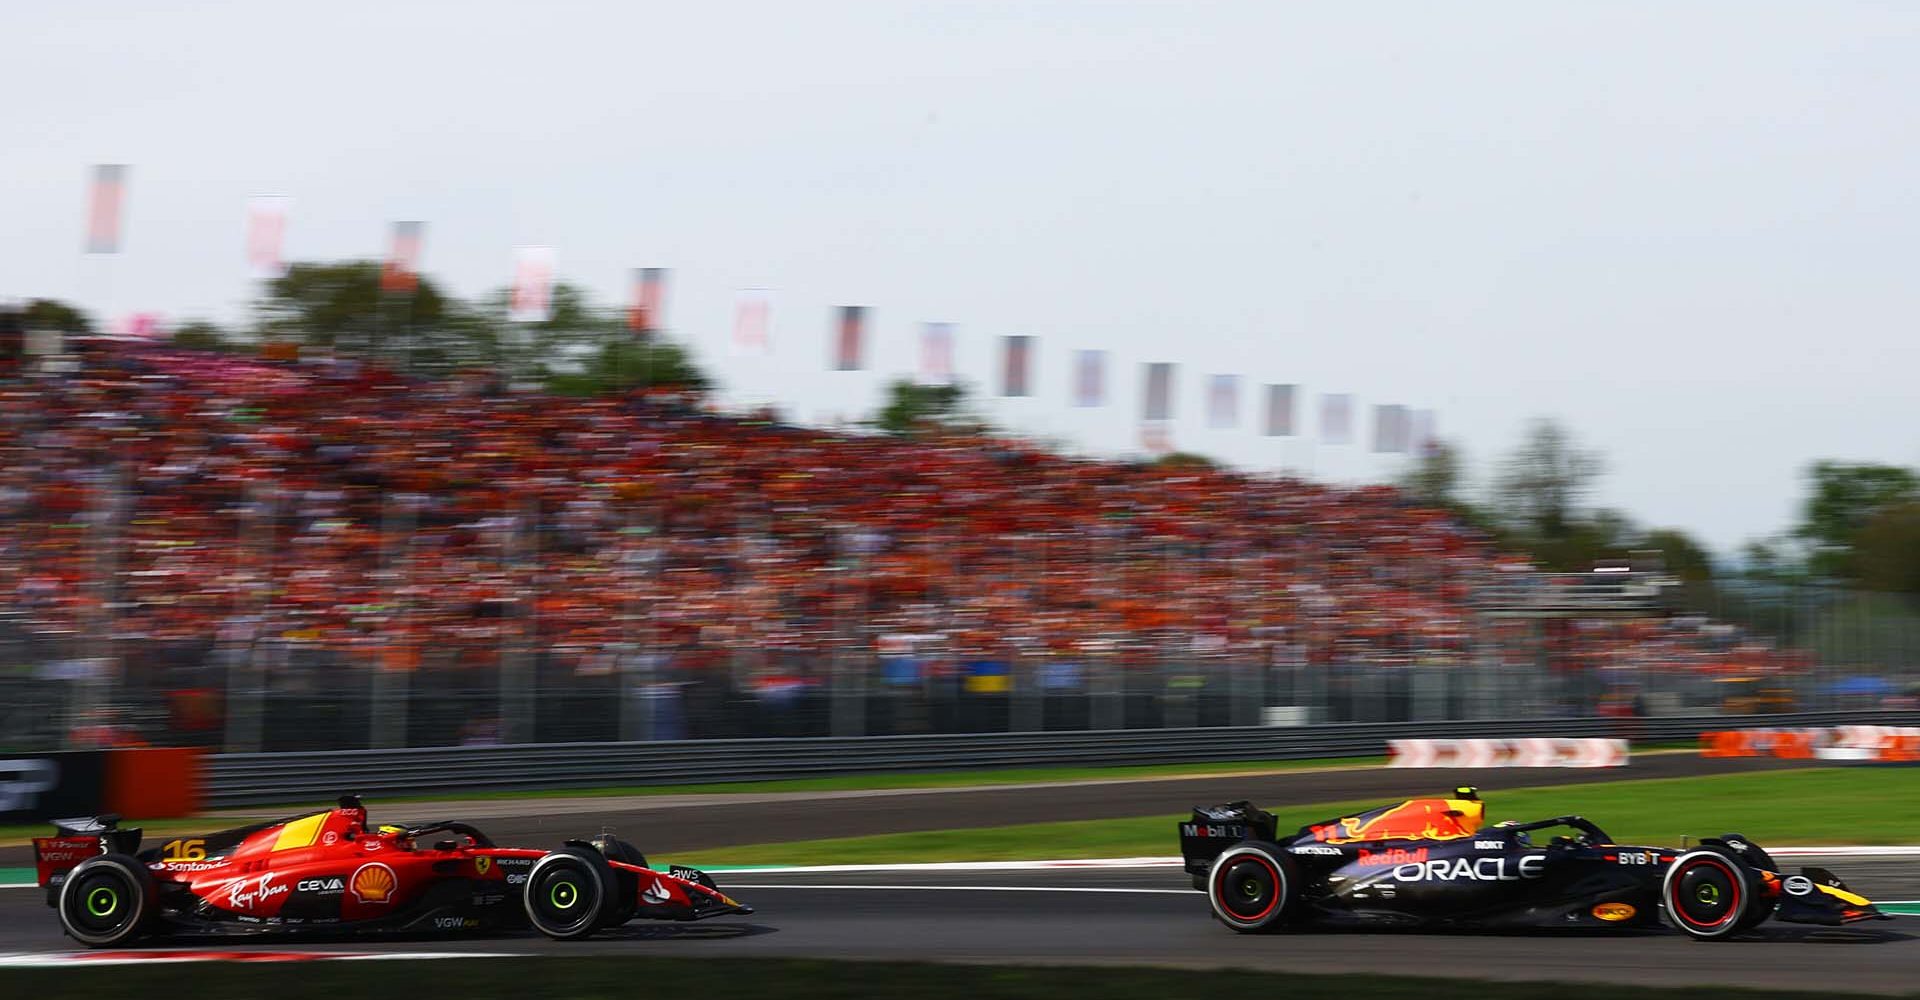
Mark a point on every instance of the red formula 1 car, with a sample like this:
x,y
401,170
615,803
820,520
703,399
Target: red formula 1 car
x,y
329,873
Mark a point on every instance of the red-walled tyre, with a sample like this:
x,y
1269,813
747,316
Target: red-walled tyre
x,y
1710,895
1253,887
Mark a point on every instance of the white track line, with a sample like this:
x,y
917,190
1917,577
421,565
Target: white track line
x,y
956,866
961,888
1175,862
78,959
1146,862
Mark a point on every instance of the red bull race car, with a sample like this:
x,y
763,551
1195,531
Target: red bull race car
x,y
1430,863
329,873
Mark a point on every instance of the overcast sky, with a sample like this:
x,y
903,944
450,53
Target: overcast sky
x,y
1687,230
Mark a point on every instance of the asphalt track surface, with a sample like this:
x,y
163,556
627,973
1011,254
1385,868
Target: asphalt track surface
x,y
664,824
1149,916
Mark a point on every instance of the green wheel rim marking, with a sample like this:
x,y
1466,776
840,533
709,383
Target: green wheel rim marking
x,y
1708,893
102,901
563,895
1250,888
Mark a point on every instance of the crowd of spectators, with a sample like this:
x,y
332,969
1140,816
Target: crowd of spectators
x,y
156,496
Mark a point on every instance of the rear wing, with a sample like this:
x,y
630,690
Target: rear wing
x,y
1213,829
74,841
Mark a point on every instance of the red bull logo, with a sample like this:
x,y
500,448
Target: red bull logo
x,y
1391,856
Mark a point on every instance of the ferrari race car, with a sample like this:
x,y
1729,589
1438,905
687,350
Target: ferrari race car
x,y
1429,863
329,873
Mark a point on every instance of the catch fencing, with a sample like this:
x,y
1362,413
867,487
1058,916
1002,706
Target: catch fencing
x,y
251,779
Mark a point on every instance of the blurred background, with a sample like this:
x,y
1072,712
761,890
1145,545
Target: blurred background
x,y
950,368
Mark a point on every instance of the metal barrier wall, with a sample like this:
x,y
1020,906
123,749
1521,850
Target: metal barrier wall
x,y
248,779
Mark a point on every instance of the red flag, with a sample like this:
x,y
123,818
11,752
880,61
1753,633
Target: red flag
x,y
401,272
648,294
104,202
753,323
849,341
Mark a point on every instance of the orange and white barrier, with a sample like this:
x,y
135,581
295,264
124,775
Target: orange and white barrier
x,y
1871,743
1542,752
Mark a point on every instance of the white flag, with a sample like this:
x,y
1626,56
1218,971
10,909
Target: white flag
x,y
753,323
531,299
266,236
936,354
1223,401
1336,418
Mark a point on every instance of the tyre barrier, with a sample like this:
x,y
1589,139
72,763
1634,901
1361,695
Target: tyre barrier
x,y
261,778
1883,744
1535,752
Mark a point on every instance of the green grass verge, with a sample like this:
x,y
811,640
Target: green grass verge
x,y
929,779
589,977
1867,805
15,834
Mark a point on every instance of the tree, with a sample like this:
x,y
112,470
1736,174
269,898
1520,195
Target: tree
x,y
627,364
1185,460
1845,497
1685,558
1434,478
52,314
342,306
1543,482
200,335
1887,549
912,406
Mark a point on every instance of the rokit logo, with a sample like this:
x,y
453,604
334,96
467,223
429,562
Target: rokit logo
x,y
331,885
1489,845
1472,869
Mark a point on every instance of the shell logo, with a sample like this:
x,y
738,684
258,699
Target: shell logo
x,y
1614,912
373,883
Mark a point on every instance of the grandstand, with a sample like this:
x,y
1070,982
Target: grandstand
x,y
250,553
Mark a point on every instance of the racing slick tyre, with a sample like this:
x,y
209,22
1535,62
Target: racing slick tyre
x,y
1252,886
1754,856
569,893
1710,895
106,900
